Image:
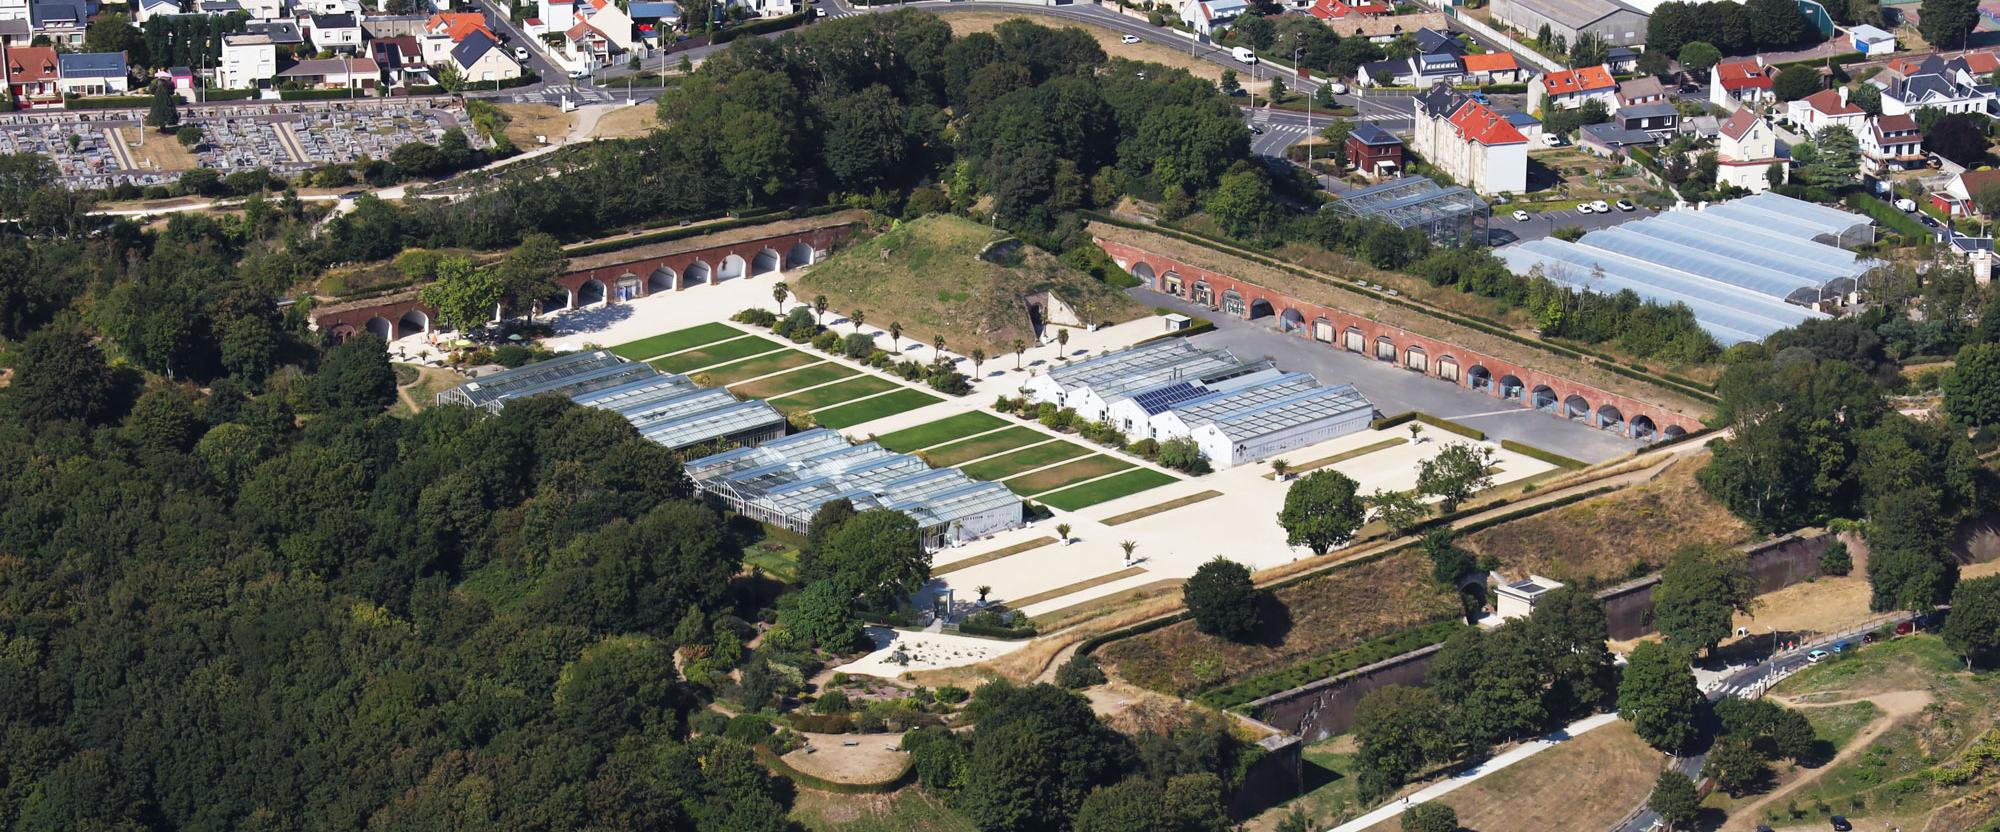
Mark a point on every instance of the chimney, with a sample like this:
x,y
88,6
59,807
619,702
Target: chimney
x,y
1843,96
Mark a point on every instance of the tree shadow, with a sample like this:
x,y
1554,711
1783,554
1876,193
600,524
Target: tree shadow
x,y
1818,755
1274,620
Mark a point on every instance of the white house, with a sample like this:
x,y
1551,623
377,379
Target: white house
x,y
478,58
1737,82
1871,41
1939,84
264,9
1472,142
1747,147
1826,108
1569,88
249,61
1263,414
336,32
1891,143
444,31
142,10
554,16
93,73
335,73
1211,16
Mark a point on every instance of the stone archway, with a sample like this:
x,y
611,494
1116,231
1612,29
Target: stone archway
x,y
413,322
1674,432
661,280
697,272
1385,349
1610,418
1171,283
1576,407
1511,387
381,328
1447,368
1261,308
1144,272
799,255
1544,398
1353,340
1415,358
1291,321
1643,428
1323,330
1479,378
732,267
590,293
766,262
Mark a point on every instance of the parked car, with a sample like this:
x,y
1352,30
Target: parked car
x,y
1339,88
1552,140
1625,205
1257,129
579,73
521,54
1129,39
1601,206
1841,646
1904,628
1817,656
1906,205
1840,824
1244,55
1585,208
1520,215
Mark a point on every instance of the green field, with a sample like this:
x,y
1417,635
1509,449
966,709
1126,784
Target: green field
x,y
833,394
713,354
940,431
1025,459
762,365
1109,488
776,559
799,379
1066,474
983,446
676,341
868,410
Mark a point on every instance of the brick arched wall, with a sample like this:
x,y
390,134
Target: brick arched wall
x,y
1405,344
342,320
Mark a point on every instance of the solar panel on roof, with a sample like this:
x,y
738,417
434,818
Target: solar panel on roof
x,y
1157,400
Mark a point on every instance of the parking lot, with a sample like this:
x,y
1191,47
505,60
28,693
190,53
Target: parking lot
x,y
1505,230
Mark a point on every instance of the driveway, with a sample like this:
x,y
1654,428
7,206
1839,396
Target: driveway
x,y
1394,390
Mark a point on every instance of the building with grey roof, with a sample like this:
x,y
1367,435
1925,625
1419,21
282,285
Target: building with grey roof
x,y
785,481
1448,215
1093,385
1616,23
667,409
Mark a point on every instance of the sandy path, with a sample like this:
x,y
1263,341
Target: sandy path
x,y
1895,707
872,758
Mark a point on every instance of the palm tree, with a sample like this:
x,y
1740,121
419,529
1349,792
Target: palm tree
x,y
858,317
982,589
819,310
1128,546
1280,468
896,335
937,345
1062,531
1415,430
1062,341
1020,347
978,356
779,293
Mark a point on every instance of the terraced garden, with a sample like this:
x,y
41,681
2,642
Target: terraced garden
x,y
721,352
798,379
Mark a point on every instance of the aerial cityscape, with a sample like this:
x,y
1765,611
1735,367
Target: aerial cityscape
x,y
1000,415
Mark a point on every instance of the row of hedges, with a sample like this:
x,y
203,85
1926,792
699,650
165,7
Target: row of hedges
x,y
759,27
322,95
1533,452
1329,665
1887,215
970,627
1699,392
1407,416
742,219
227,95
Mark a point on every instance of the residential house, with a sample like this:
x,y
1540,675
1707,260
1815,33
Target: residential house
x,y
1332,10
1622,60
265,9
402,61
768,8
17,31
32,76
1950,85
1469,141
335,74
1492,68
1871,41
338,33
1646,90
1977,252
1209,17
144,10
308,8
1610,139
1702,126
1373,151
1615,23
656,20
479,60
93,73
285,36
217,8
1431,41
1891,143
1826,108
1739,82
1659,120
249,61
14,9
444,31
552,16
1747,147
596,40
1569,88
1966,188
61,21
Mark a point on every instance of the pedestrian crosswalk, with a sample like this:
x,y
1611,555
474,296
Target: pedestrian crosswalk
x,y
556,93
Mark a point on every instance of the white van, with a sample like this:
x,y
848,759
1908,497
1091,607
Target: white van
x,y
1244,54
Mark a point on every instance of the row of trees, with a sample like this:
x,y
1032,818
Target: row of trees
x,y
1756,26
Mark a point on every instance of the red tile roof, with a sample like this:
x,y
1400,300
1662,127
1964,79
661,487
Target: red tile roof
x,y
1981,63
1490,62
1831,103
30,64
456,25
1743,74
1336,9
1739,123
1585,79
1477,122
1895,124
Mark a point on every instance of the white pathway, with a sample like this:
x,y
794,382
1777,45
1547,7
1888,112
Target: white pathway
x,y
1499,761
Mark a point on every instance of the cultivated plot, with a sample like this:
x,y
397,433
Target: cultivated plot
x,y
798,379
721,352
868,410
675,341
984,445
1026,459
941,431
1068,473
1109,488
762,365
833,394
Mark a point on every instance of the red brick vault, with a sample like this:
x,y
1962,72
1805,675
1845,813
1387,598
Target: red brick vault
x,y
400,314
1420,354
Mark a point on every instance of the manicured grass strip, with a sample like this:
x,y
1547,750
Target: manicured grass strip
x,y
798,379
676,341
714,354
833,394
986,445
1169,505
1026,459
992,556
941,431
762,365
1344,456
1109,488
780,564
1079,586
868,410
1068,473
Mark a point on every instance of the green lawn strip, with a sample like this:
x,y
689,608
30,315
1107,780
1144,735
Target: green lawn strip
x,y
941,431
762,365
1169,505
1079,586
1026,459
709,356
1068,473
777,560
984,445
992,556
1836,725
1343,456
798,379
676,341
868,410
1109,488
833,394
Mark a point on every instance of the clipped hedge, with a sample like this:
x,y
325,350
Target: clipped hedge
x,y
1451,426
970,628
820,723
1533,452
227,95
1329,665
109,102
1387,422
1887,215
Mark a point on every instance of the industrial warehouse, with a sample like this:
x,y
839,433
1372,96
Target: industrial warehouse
x,y
1745,268
785,481
667,409
1234,411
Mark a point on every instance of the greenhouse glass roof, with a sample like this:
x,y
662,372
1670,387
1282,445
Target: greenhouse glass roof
x,y
1228,404
1731,315
1294,410
1409,201
794,476
567,375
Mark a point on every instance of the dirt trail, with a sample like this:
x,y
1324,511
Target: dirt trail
x,y
424,374
1895,707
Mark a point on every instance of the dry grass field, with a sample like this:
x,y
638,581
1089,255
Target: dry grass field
x,y
529,121
1584,785
627,122
161,152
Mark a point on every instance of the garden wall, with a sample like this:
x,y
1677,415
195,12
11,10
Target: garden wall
x,y
1274,778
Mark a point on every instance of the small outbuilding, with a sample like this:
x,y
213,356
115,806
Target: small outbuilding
x,y
1518,599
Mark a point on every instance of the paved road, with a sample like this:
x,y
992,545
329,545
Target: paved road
x,y
1505,230
1394,391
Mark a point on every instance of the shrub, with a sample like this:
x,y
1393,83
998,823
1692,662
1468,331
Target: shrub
x,y
821,723
826,341
798,326
1081,671
1003,404
1183,455
708,722
1147,448
513,355
756,317
832,702
949,382
748,729
857,346
1835,560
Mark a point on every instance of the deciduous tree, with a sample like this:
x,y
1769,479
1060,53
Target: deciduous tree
x,y
1658,696
1321,511
1222,599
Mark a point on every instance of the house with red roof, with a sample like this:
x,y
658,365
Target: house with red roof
x,y
1746,148
444,31
1492,68
33,73
605,33
1827,108
1468,140
1331,10
1740,81
1892,143
1569,88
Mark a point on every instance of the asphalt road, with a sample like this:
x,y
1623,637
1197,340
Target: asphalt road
x,y
1393,390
